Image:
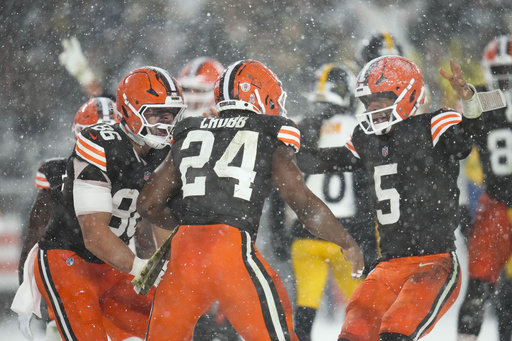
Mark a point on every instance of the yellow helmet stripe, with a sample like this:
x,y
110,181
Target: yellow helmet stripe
x,y
389,41
323,77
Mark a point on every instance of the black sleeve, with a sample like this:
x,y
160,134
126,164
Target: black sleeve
x,y
327,160
460,142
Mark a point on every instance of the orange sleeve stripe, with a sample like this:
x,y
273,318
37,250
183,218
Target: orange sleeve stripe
x,y
290,130
291,142
351,147
41,182
290,136
439,118
441,123
91,152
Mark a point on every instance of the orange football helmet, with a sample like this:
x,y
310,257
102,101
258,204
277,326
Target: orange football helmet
x,y
95,110
497,63
250,85
146,88
197,79
394,77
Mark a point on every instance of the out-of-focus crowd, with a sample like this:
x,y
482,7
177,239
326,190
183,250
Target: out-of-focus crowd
x,y
293,37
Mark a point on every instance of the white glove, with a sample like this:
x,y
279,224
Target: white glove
x,y
24,325
73,59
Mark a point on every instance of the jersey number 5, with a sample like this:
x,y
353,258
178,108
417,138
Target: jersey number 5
x,y
245,141
389,194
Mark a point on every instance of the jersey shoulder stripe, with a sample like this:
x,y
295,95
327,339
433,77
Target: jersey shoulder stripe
x,y
91,152
290,136
351,147
41,181
441,122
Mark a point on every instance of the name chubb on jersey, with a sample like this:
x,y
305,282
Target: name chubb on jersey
x,y
231,122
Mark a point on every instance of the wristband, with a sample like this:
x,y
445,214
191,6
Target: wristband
x,y
137,266
471,108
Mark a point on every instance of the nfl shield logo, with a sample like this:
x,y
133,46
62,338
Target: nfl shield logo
x,y
146,175
70,261
385,151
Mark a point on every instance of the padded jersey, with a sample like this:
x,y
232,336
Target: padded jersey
x,y
412,173
111,158
225,165
50,173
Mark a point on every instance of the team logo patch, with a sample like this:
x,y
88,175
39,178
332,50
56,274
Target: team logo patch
x,y
245,87
70,261
146,175
385,151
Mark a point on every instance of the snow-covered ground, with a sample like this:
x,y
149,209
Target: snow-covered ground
x,y
325,327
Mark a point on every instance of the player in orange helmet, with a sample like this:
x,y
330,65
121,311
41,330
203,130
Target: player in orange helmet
x,y
197,79
84,253
412,164
48,179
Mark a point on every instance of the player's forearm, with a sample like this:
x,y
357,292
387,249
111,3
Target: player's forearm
x,y
158,215
103,243
112,250
320,221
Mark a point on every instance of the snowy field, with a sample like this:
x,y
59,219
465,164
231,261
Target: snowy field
x,y
325,327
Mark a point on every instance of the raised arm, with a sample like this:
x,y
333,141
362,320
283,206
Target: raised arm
x,y
311,211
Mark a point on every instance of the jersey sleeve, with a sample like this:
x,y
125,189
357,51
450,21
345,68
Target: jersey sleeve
x,y
289,134
41,181
88,148
453,132
49,174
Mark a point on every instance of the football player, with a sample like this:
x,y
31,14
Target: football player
x,y
217,176
346,194
412,164
50,173
490,238
84,265
197,79
49,179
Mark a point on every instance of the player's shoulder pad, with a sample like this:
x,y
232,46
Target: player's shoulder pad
x,y
48,171
91,144
288,132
